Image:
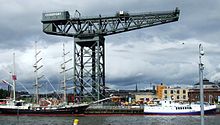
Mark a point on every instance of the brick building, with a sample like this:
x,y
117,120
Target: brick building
x,y
211,92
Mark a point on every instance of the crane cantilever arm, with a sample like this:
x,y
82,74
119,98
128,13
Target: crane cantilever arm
x,y
108,25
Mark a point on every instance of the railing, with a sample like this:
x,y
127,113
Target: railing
x,y
115,107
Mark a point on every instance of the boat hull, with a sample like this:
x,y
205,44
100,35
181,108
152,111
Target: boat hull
x,y
206,112
46,112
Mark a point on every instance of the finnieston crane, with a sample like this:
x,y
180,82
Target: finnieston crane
x,y
89,42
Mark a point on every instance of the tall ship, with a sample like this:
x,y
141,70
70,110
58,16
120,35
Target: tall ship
x,y
22,108
168,107
18,107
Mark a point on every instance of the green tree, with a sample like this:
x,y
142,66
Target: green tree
x,y
3,94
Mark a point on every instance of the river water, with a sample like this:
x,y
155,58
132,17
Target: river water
x,y
110,120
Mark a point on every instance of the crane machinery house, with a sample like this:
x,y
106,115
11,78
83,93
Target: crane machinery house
x,y
52,16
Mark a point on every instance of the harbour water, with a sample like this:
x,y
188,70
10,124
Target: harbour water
x,y
110,120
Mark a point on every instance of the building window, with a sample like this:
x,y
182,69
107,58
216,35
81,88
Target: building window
x,y
184,91
165,91
171,91
172,98
178,91
178,97
184,96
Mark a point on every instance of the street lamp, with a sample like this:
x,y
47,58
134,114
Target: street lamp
x,y
201,68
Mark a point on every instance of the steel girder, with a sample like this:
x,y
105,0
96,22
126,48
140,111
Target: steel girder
x,y
89,71
96,26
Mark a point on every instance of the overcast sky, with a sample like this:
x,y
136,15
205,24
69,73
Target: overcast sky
x,y
165,53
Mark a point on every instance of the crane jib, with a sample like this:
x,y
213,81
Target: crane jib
x,y
60,23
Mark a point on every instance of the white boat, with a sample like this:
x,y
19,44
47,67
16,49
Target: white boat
x,y
168,107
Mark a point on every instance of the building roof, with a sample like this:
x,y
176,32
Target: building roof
x,y
206,82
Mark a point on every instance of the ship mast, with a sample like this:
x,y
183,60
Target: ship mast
x,y
36,68
64,70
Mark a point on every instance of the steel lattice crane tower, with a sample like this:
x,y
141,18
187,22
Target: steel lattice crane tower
x,y
89,45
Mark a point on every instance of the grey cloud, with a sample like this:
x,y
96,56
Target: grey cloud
x,y
157,52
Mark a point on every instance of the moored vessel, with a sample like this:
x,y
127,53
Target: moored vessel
x,y
19,107
168,107
23,108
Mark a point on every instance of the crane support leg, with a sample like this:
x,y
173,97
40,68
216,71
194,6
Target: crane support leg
x,y
89,68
